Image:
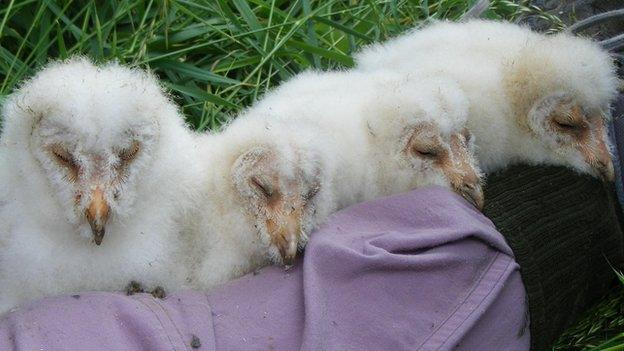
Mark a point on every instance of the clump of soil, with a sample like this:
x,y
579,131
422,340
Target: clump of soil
x,y
134,288
159,292
195,342
137,288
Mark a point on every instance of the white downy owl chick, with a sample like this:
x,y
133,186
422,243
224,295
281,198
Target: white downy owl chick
x,y
533,98
96,175
418,135
267,189
388,133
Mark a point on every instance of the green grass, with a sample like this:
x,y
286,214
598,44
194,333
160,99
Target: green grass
x,y
218,56
601,328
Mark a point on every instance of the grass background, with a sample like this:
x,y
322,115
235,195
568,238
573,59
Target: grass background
x,y
218,56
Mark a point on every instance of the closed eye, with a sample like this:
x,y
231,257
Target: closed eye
x,y
264,189
571,121
426,153
567,126
65,159
129,154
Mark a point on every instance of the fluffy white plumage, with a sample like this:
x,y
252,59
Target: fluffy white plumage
x,y
267,189
532,98
371,118
84,150
320,142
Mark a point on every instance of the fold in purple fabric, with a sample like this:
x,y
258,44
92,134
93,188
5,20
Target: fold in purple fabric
x,y
422,270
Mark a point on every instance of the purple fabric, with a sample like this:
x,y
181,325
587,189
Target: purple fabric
x,y
421,270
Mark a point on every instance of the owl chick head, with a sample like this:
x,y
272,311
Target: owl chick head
x,y
560,89
90,134
284,183
419,127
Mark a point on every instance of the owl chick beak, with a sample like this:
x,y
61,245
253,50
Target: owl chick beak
x,y
467,184
473,194
602,162
605,169
464,178
284,229
595,150
97,214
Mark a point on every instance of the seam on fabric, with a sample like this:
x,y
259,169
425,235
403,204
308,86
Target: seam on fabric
x,y
212,322
498,280
463,300
148,305
460,303
166,312
468,295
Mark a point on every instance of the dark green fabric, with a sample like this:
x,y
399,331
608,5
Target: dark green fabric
x,y
563,229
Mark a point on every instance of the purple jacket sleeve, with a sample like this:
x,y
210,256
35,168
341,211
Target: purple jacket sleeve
x,y
421,270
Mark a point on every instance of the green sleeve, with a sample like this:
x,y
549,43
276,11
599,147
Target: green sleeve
x,y
564,229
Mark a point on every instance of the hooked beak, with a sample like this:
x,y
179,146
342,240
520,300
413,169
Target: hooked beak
x,y
473,193
97,214
598,155
605,170
464,177
284,231
599,159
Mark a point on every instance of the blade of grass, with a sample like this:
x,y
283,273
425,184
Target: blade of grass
x,y
194,72
201,95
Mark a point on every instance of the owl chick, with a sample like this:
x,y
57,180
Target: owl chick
x,y
384,132
267,189
97,174
533,98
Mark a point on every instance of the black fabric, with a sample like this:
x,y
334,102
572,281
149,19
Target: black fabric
x,y
564,230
